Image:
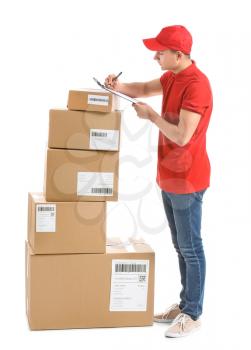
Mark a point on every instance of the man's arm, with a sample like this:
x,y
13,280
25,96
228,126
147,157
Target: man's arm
x,y
182,133
144,89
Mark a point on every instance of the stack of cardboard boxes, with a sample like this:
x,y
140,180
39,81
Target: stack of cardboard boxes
x,y
74,278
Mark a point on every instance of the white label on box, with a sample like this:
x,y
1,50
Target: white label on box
x,y
46,218
102,139
98,100
94,184
129,285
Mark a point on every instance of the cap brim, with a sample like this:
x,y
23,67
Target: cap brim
x,y
154,45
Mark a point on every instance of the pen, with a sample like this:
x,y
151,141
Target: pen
x,y
117,76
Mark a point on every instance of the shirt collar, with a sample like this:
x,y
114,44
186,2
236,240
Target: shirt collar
x,y
185,72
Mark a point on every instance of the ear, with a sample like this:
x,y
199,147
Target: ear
x,y
179,54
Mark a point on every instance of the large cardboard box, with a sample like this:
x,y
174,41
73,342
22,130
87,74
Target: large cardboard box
x,y
73,175
90,290
84,130
96,100
66,227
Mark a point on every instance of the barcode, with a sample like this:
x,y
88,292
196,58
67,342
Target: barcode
x,y
101,190
130,268
46,209
100,134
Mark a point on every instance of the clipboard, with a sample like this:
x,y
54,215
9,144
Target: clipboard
x,y
128,98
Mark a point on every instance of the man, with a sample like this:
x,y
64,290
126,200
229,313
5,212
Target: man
x,y
183,172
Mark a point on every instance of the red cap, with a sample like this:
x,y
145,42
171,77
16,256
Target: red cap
x,y
173,38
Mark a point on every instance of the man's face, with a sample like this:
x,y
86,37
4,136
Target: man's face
x,y
168,60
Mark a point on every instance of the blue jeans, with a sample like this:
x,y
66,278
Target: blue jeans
x,y
184,212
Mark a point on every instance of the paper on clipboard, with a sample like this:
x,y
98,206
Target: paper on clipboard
x,y
128,98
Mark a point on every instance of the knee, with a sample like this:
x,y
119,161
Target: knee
x,y
192,253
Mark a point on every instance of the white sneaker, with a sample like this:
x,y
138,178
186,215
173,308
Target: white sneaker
x,y
182,325
168,315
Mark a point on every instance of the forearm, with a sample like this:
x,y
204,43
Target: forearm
x,y
132,89
171,131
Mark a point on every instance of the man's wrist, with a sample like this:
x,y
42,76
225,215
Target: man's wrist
x,y
154,116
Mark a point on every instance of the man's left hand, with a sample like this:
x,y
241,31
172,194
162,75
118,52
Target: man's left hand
x,y
143,110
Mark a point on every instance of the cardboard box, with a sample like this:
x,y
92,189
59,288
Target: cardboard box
x,y
95,100
73,175
90,290
66,227
84,130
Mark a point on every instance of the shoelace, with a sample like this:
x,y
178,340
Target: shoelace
x,y
171,308
181,319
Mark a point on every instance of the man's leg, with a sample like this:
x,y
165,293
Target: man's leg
x,y
182,265
187,213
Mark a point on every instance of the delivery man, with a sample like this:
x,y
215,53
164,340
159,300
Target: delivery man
x,y
183,170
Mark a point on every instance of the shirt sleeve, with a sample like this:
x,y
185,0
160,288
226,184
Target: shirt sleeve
x,y
197,97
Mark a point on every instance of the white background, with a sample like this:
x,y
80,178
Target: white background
x,y
48,48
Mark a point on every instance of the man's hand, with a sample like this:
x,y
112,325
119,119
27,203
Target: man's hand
x,y
144,111
112,83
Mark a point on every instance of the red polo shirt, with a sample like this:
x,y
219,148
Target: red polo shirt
x,y
185,169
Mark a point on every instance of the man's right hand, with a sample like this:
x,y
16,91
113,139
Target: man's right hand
x,y
112,83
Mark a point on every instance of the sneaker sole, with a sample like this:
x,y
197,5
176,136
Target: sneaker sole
x,y
178,335
162,320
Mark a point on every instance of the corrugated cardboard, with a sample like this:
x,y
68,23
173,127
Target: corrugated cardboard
x,y
96,100
66,175
84,130
74,290
66,227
